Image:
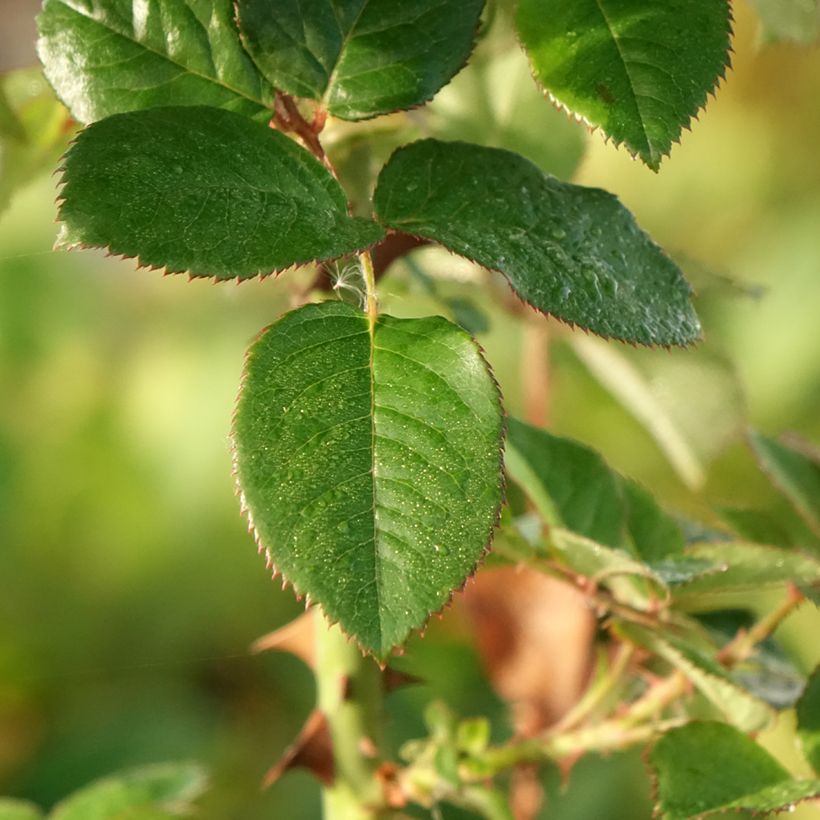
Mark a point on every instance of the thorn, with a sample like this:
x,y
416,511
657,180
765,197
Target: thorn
x,y
312,750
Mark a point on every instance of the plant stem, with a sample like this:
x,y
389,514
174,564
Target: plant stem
x,y
369,273
744,643
350,695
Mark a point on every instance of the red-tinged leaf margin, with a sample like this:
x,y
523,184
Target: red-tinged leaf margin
x,y
300,595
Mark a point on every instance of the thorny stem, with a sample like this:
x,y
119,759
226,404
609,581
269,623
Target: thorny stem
x,y
350,695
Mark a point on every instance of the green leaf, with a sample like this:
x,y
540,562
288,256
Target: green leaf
x,y
138,793
808,720
638,70
105,57
740,707
613,568
746,567
654,535
704,769
360,58
795,471
570,484
19,810
570,251
204,191
797,21
369,463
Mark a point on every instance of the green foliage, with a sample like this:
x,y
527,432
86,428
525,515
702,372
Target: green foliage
x,y
368,458
206,192
808,721
573,252
360,58
18,810
105,57
796,21
369,448
706,769
159,792
638,70
796,472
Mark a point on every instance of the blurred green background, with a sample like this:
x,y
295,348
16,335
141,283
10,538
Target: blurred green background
x,y
129,588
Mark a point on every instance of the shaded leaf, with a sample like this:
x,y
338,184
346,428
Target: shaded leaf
x,y
740,707
204,191
653,535
570,484
808,721
638,70
746,566
369,462
169,787
105,57
19,810
797,21
360,58
704,769
574,252
795,471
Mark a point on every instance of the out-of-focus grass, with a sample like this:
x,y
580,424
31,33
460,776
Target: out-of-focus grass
x,y
129,589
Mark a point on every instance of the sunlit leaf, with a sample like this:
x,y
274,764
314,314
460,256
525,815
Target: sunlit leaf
x,y
638,70
369,463
360,58
204,191
168,788
705,769
104,57
570,251
794,471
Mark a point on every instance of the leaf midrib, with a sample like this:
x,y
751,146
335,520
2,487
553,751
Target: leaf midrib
x,y
600,6
214,80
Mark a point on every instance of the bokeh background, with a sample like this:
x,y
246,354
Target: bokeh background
x,y
129,587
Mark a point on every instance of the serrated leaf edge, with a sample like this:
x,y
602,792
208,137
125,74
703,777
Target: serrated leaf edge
x,y
270,565
607,138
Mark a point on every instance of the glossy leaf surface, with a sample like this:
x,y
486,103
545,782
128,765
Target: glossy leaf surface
x,y
360,57
795,472
163,790
370,464
637,69
105,57
570,251
204,191
705,769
